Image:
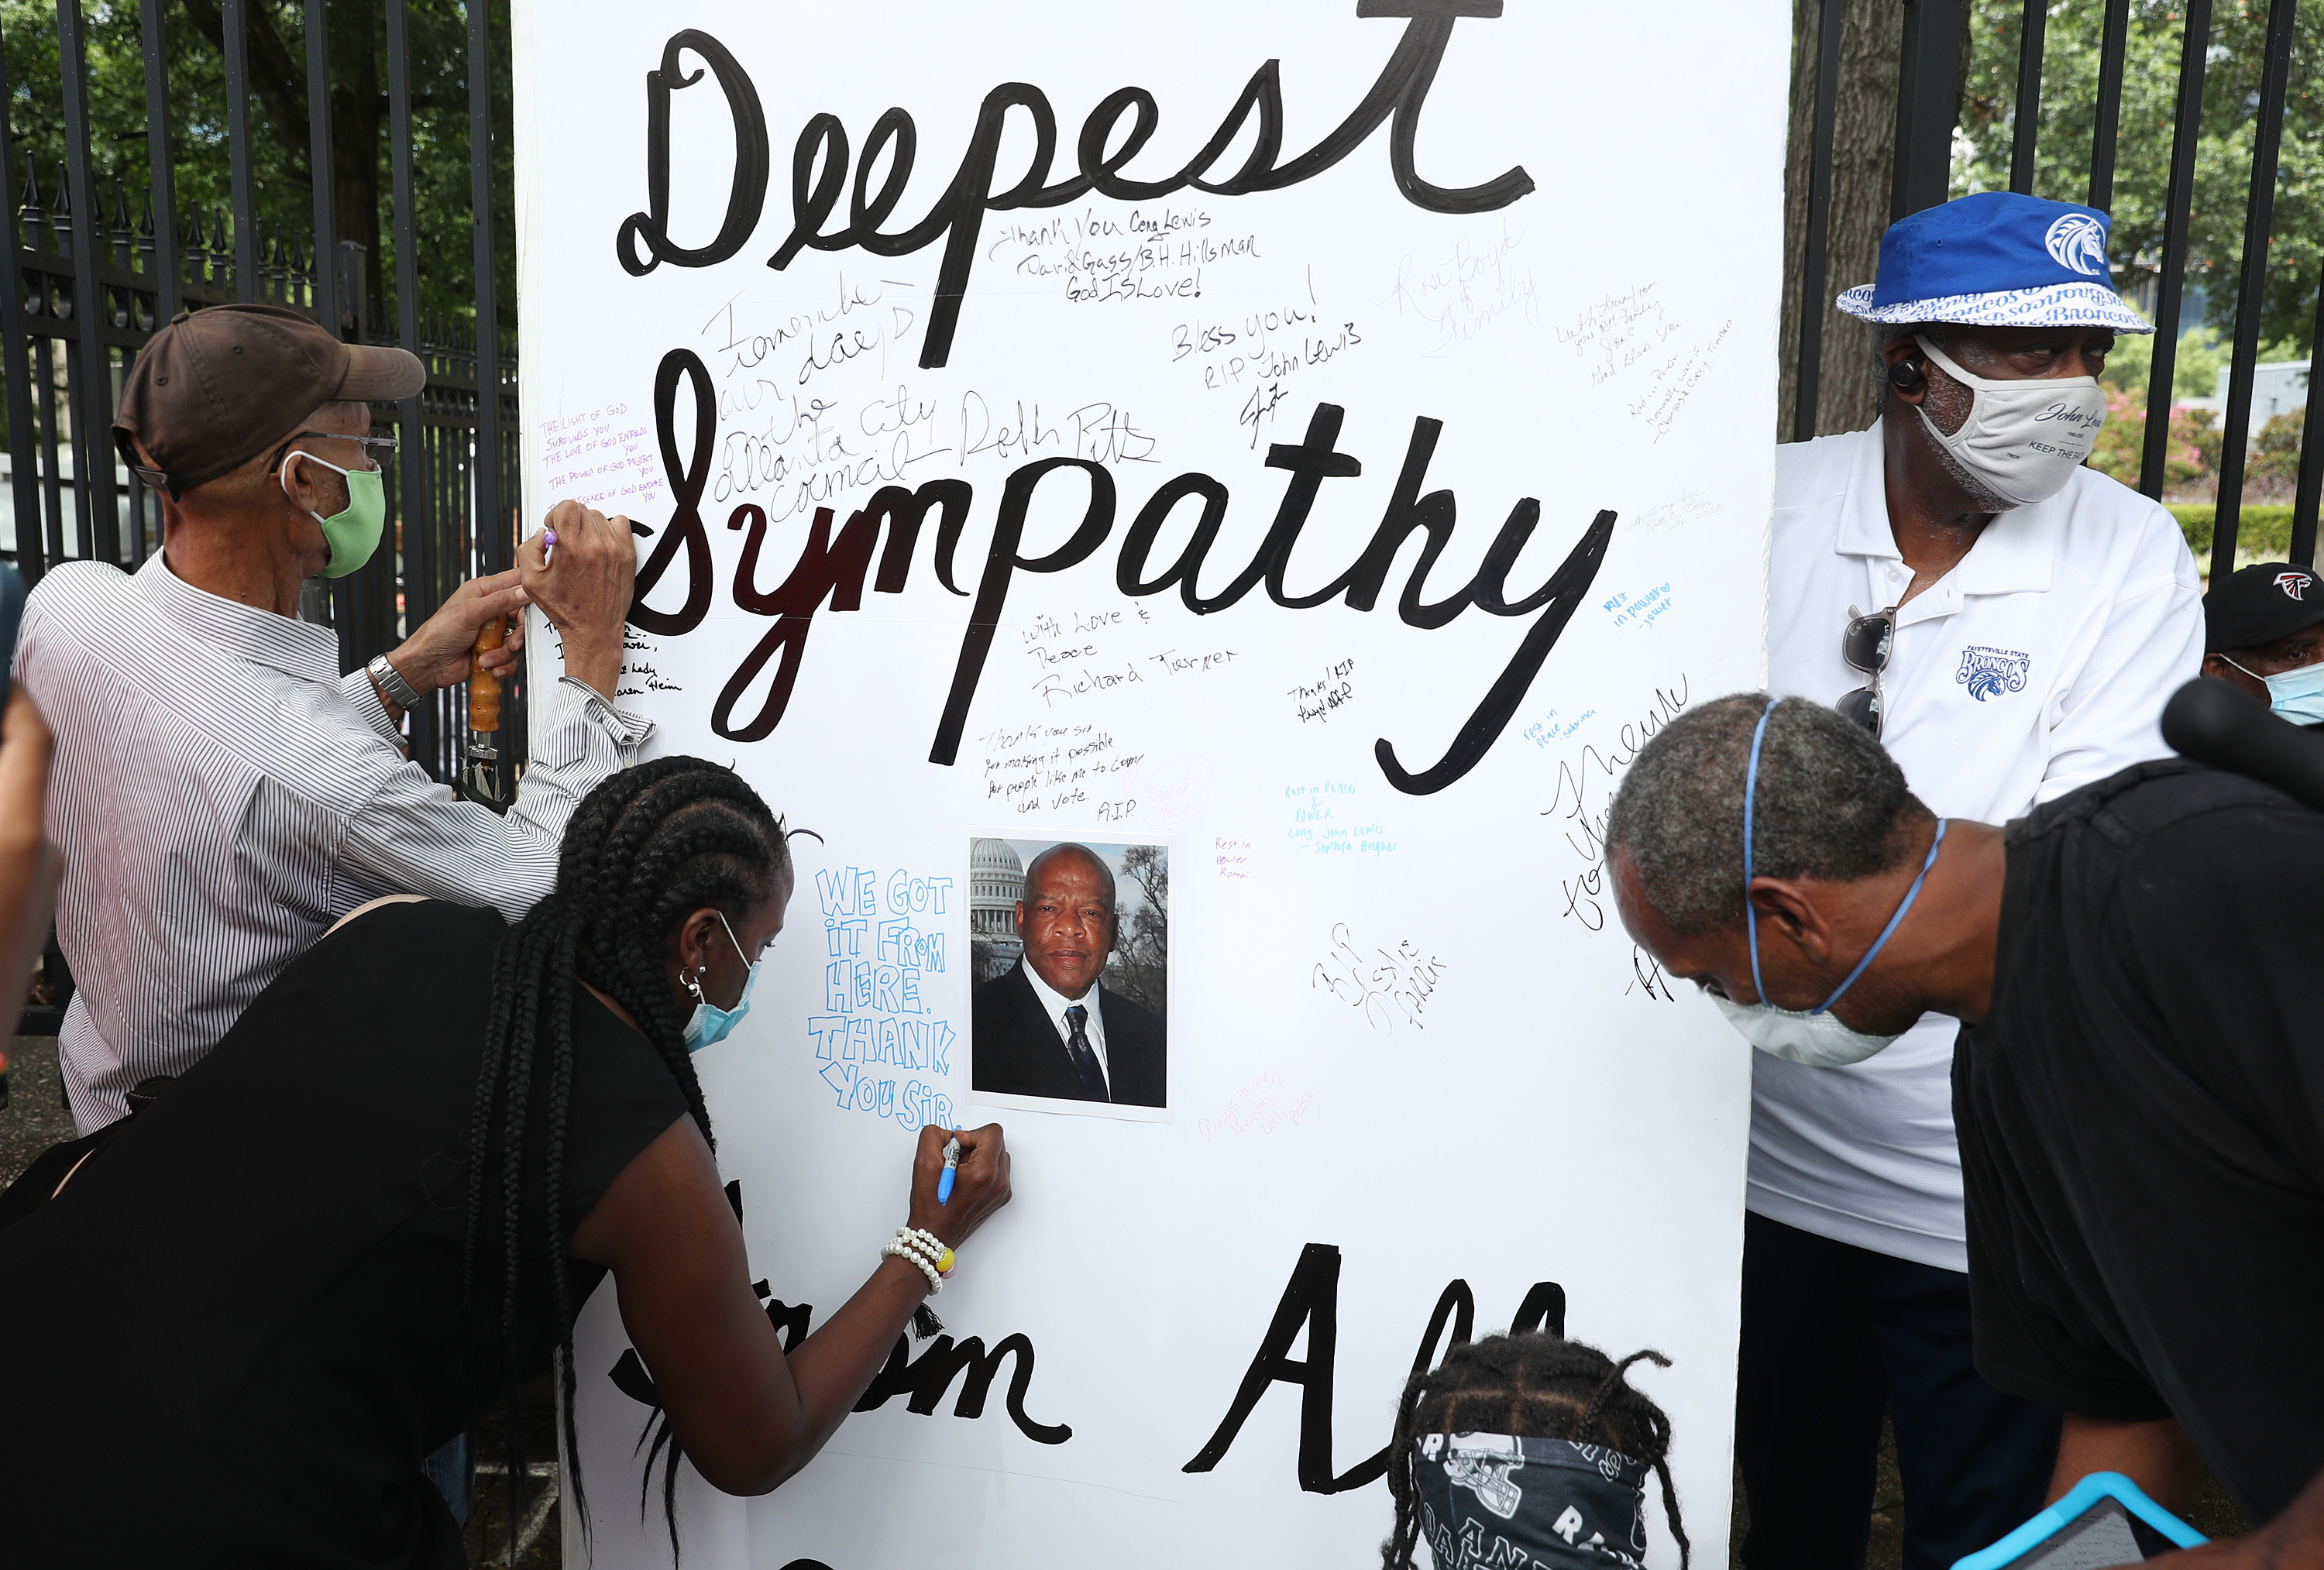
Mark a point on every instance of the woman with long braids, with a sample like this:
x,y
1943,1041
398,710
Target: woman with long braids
x,y
1528,1450
238,1327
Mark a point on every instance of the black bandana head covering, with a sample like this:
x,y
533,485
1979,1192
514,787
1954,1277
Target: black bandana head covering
x,y
1496,1502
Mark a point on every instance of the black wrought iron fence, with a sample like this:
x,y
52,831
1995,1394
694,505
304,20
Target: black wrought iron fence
x,y
2067,137
86,276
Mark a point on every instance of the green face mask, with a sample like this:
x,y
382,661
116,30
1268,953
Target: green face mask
x,y
353,534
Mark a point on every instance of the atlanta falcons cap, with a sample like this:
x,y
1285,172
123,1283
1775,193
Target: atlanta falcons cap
x,y
2259,604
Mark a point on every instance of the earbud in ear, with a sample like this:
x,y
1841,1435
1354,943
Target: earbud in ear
x,y
1905,376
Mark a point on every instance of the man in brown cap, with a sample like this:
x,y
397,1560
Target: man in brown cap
x,y
221,792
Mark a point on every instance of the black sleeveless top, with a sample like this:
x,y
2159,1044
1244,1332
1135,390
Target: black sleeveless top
x,y
236,1333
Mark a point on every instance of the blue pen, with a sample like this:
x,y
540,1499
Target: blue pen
x,y
951,1169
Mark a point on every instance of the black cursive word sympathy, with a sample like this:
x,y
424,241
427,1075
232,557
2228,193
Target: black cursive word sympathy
x,y
832,569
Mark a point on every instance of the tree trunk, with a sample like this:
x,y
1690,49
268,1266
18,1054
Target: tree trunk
x,y
358,109
358,121
1864,144
279,81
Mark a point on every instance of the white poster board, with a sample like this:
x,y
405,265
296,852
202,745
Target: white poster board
x,y
1328,533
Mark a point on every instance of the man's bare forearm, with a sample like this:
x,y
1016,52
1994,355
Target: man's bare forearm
x,y
2157,1455
595,661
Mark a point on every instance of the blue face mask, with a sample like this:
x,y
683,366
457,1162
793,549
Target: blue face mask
x,y
711,1023
2297,694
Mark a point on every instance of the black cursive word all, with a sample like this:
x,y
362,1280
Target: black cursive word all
x,y
1113,134
1311,1302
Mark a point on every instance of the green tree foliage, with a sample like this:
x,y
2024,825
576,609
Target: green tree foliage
x,y
2203,353
1141,942
2143,168
280,157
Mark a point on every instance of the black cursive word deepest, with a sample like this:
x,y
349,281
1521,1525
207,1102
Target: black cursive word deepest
x,y
820,159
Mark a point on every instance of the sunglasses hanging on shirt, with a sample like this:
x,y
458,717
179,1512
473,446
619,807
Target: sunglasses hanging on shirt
x,y
1864,644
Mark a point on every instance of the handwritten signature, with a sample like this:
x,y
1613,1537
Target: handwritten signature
x,y
1385,988
1585,892
1258,1108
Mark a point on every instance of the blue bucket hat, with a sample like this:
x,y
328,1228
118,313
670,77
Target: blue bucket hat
x,y
1997,260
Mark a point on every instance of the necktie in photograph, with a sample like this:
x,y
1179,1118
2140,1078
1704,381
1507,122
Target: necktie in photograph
x,y
1084,1056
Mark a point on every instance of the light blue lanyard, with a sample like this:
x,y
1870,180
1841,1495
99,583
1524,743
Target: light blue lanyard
x,y
1750,912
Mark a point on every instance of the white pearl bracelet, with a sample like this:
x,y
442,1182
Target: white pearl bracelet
x,y
926,1250
895,1248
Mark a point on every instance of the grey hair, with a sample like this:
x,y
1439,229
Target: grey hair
x,y
1104,873
1831,805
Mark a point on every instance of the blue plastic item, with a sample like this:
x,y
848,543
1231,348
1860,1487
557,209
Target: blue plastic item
x,y
950,1171
2093,1489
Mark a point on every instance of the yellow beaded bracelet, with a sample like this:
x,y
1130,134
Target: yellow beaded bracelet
x,y
927,1246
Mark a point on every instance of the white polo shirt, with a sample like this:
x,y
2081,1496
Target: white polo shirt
x,y
2039,662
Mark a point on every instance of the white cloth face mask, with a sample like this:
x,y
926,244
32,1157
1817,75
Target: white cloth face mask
x,y
2023,440
1816,1039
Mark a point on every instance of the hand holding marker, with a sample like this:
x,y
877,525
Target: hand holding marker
x,y
950,1171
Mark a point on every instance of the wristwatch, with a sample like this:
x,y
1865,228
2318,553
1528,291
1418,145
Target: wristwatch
x,y
392,684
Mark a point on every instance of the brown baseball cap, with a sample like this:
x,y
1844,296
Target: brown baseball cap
x,y
218,386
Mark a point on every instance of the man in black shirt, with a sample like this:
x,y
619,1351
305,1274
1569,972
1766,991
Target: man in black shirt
x,y
2139,1083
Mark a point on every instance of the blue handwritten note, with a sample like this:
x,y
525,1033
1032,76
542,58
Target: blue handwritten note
x,y
878,1032
1327,819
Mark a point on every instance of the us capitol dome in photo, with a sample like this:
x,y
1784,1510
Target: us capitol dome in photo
x,y
996,882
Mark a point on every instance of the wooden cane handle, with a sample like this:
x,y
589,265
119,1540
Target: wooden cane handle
x,y
483,685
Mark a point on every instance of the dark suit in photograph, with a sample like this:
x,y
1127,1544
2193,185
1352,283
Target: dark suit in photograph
x,y
1015,1047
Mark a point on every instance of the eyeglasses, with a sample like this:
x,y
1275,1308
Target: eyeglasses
x,y
378,449
1864,644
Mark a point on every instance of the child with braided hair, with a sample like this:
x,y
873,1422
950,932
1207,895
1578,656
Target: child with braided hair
x,y
382,1200
1528,1452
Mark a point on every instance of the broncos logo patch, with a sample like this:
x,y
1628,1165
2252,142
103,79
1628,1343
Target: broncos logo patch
x,y
1987,672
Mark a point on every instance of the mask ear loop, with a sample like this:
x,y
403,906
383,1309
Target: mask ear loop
x,y
1911,895
1751,916
282,478
1968,379
1750,795
733,940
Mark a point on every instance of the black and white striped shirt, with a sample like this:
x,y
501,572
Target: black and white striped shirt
x,y
222,795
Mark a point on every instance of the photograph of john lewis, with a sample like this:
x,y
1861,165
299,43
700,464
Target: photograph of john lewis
x,y
1070,943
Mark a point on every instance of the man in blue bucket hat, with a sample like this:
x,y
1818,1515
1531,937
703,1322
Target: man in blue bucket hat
x,y
2008,623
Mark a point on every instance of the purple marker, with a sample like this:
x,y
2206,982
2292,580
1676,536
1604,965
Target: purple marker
x,y
547,546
